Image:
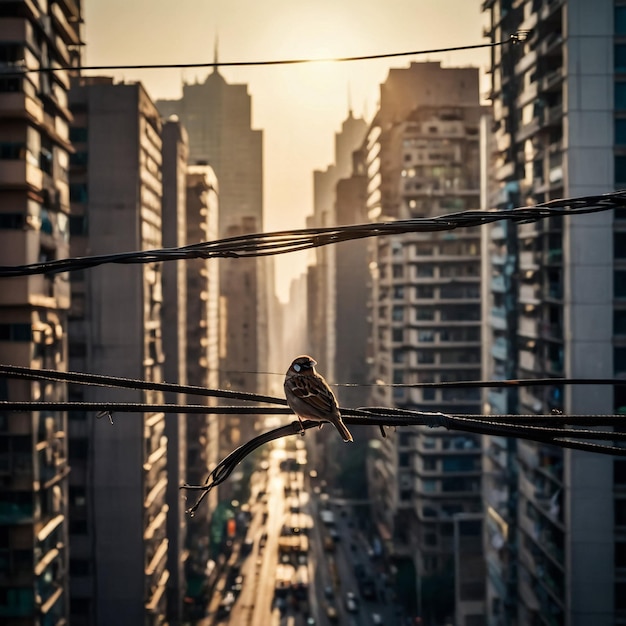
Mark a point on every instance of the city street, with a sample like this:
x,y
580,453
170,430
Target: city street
x,y
335,552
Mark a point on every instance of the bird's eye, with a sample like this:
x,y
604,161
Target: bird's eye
x,y
296,367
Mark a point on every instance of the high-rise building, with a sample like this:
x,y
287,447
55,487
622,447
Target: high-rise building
x,y
174,220
34,227
119,543
422,159
202,357
218,118
556,293
323,307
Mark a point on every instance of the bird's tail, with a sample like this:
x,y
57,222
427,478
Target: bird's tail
x,y
342,428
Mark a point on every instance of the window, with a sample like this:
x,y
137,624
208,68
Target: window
x,y
397,313
426,336
397,335
78,225
424,314
428,393
619,284
620,20
12,221
78,134
78,192
620,96
12,150
619,322
398,293
397,271
619,57
404,459
424,291
16,332
620,131
429,465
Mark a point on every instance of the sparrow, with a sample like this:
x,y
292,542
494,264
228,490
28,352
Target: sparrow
x,y
309,396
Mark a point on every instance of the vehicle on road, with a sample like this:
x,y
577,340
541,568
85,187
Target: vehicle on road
x,y
327,517
331,613
376,618
226,605
352,605
237,585
329,593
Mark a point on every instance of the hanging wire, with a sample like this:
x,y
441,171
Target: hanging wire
x,y
18,70
547,429
281,242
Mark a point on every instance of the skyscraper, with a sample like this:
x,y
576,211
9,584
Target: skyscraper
x,y
34,226
119,542
556,309
218,118
174,221
422,159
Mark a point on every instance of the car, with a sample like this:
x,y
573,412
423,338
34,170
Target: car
x,y
329,592
351,602
331,613
376,618
226,605
237,585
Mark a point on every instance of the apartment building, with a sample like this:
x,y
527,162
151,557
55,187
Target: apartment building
x,y
174,151
202,357
118,508
423,161
554,518
34,226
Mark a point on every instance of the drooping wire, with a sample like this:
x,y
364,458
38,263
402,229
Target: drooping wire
x,y
281,242
20,70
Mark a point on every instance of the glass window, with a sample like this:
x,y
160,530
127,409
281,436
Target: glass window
x,y
619,284
619,322
620,132
619,360
619,245
15,332
619,58
620,96
620,20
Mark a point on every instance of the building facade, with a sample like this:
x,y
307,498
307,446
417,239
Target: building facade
x,y
34,226
175,152
422,159
555,301
118,508
218,118
202,356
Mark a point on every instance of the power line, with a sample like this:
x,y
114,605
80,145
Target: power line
x,y
282,242
8,71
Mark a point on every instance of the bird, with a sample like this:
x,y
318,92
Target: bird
x,y
309,396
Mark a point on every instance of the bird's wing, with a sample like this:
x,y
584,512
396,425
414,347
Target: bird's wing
x,y
314,392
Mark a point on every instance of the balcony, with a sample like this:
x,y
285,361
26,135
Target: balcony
x,y
498,400
529,294
498,318
498,284
528,326
20,173
500,349
529,361
528,260
529,230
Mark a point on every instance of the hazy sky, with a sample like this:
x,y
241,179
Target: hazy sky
x,y
299,107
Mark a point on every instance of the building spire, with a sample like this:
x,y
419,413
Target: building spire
x,y
215,52
349,101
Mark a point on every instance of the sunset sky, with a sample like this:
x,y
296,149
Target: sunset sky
x,y
298,107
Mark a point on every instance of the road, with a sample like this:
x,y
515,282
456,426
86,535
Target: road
x,y
270,507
